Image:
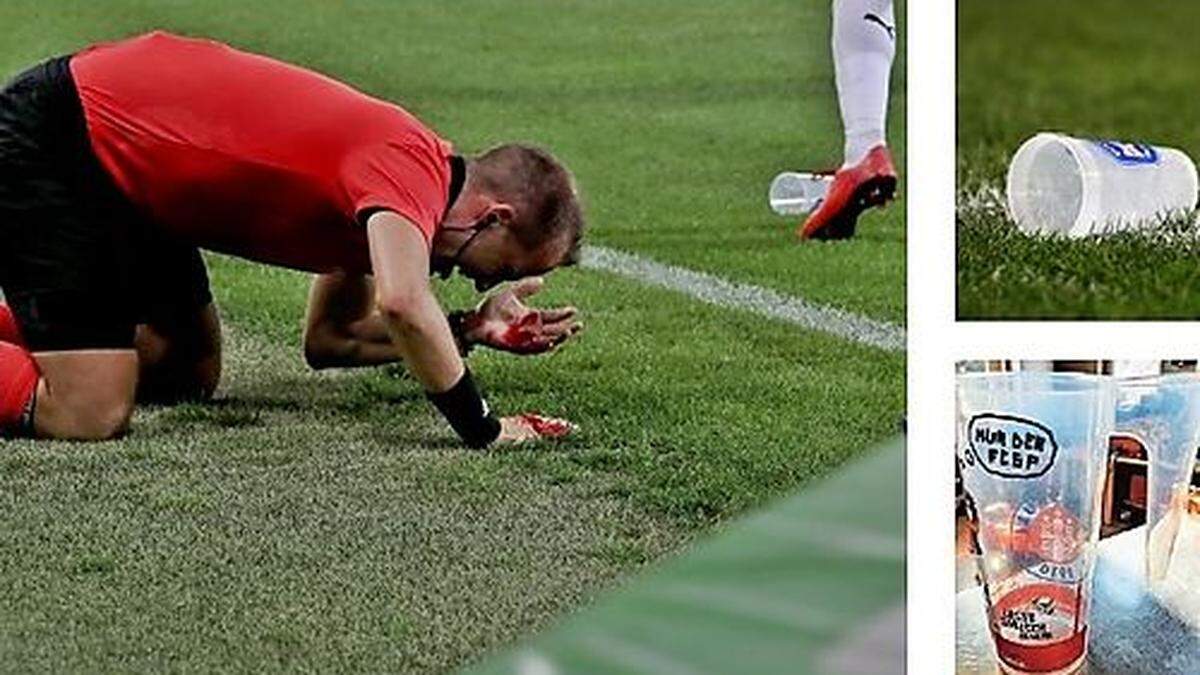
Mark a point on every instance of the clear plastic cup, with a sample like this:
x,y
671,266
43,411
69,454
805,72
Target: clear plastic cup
x,y
1076,187
1162,415
1032,451
795,194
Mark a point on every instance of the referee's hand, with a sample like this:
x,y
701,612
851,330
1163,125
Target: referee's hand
x,y
506,323
532,427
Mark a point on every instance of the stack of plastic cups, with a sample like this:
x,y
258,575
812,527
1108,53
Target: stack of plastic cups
x,y
1032,451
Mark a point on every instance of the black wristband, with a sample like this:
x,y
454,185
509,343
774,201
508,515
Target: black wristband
x,y
466,411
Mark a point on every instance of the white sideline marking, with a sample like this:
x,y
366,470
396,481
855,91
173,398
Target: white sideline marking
x,y
988,199
756,299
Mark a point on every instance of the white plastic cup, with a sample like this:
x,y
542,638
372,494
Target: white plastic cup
x,y
1071,186
1162,415
795,194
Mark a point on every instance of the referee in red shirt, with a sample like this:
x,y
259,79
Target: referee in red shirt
x,y
118,163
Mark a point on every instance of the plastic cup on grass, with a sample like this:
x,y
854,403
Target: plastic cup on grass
x,y
795,194
1075,187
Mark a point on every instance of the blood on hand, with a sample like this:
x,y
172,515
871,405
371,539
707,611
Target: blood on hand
x,y
547,427
523,335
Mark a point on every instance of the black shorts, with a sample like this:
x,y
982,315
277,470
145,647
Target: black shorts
x,y
80,266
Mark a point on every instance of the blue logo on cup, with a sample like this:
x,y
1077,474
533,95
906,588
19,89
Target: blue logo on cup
x,y
1051,571
1011,447
1129,153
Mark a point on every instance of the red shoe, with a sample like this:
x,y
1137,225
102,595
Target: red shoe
x,y
871,182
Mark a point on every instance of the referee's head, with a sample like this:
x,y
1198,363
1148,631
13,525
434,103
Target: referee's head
x,y
518,215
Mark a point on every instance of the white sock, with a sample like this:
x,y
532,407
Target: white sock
x,y
864,44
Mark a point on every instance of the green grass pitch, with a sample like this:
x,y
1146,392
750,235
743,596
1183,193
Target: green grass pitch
x,y
1090,68
327,521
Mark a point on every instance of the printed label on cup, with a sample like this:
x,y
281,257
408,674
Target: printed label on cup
x,y
1129,153
1038,628
1038,621
1011,447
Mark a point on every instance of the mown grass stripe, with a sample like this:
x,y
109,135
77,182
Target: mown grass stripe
x,y
809,605
747,297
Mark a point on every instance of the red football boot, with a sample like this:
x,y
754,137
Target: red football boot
x,y
871,182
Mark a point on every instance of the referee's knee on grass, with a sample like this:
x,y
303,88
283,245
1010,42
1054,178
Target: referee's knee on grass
x,y
102,423
82,418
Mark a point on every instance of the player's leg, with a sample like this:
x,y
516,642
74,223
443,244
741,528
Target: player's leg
x,y
179,333
864,45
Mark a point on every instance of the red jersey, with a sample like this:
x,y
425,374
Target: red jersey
x,y
243,154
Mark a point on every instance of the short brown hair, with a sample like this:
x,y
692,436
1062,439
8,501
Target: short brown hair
x,y
541,189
